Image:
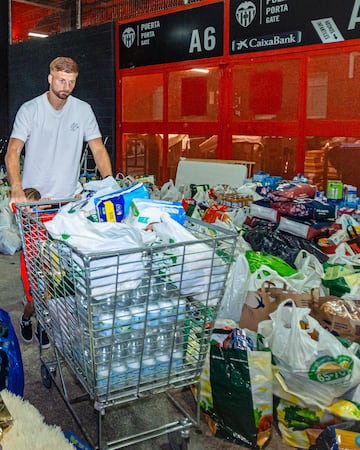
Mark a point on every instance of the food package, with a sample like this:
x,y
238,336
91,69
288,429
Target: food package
x,y
216,212
304,426
341,436
144,211
308,209
264,212
340,317
114,207
307,230
291,191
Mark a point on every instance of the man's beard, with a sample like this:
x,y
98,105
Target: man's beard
x,y
62,95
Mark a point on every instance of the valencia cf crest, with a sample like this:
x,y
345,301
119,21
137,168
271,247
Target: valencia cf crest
x,y
128,37
245,13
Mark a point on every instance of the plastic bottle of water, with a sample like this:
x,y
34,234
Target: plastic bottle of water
x,y
103,316
163,288
135,347
153,291
148,363
135,344
102,377
178,351
138,296
103,355
119,376
102,358
119,364
123,300
179,307
163,348
123,322
167,313
106,323
138,316
153,314
120,350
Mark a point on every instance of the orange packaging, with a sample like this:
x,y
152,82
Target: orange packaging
x,y
214,212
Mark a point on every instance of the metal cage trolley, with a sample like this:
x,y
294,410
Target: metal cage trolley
x,y
126,325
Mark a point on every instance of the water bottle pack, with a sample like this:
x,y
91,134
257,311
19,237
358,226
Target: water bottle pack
x,y
138,335
140,357
147,325
136,309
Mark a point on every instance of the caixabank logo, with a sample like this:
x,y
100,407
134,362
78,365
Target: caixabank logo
x,y
286,39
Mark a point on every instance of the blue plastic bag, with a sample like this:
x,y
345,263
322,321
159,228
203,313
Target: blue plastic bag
x,y
11,366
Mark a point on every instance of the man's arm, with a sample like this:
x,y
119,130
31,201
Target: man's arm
x,y
12,162
101,157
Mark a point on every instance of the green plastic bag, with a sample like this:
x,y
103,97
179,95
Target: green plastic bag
x,y
340,278
241,385
258,259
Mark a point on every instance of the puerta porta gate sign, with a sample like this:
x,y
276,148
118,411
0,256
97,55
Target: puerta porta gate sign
x,y
190,34
258,25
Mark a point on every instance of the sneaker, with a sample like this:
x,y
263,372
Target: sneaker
x,y
26,331
42,339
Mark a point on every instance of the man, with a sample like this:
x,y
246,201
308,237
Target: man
x,y
53,128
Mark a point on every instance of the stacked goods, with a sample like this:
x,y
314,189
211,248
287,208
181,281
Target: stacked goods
x,y
296,209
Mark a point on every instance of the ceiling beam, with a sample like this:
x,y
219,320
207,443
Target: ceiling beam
x,y
49,4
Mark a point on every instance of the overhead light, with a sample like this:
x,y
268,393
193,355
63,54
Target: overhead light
x,y
39,35
200,70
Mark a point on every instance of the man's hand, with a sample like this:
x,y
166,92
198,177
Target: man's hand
x,y
18,196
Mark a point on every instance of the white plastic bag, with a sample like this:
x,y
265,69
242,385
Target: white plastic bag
x,y
193,267
109,274
309,274
235,290
7,218
10,241
109,184
169,192
313,363
344,254
307,277
262,274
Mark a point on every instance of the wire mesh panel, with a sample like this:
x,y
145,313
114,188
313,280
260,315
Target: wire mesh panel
x,y
132,321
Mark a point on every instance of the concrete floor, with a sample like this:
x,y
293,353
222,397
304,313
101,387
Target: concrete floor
x,y
126,419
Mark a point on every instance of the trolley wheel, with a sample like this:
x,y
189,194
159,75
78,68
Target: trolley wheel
x,y
177,441
46,377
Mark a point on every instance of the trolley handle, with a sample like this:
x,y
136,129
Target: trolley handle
x,y
44,204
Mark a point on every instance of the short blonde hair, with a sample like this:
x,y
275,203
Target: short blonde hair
x,y
64,64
